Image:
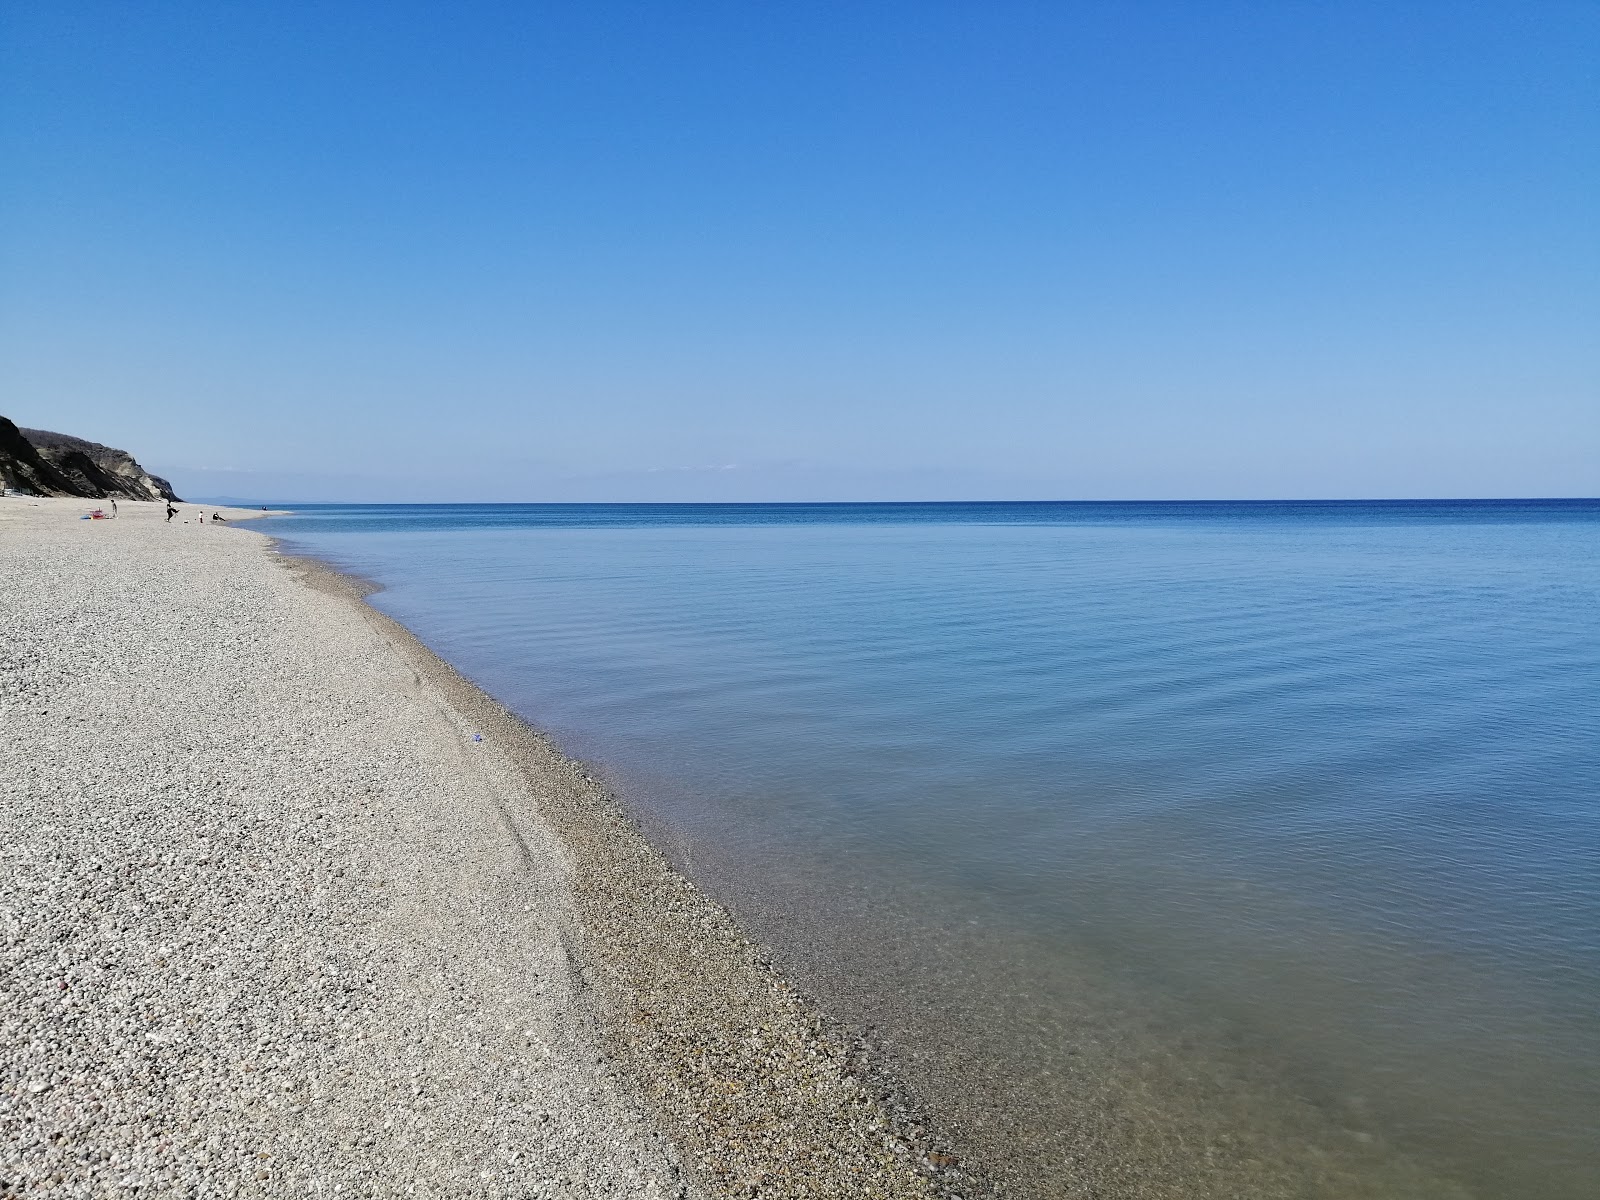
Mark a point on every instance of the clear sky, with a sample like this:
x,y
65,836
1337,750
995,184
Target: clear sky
x,y
808,251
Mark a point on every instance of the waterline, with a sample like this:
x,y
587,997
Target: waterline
x,y
1233,850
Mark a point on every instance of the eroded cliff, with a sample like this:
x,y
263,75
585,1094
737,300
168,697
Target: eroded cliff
x,y
57,464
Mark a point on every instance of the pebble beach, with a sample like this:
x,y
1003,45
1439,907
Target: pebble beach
x,y
289,908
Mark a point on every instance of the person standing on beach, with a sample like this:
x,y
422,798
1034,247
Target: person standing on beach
x,y
171,512
113,506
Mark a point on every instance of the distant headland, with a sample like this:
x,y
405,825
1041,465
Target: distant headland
x,y
42,463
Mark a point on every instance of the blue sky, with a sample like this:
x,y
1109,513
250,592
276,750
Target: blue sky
x,y
808,251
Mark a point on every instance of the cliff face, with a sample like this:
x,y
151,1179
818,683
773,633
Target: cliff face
x,y
57,464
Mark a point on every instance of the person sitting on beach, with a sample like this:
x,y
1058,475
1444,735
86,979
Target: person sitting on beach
x,y
219,517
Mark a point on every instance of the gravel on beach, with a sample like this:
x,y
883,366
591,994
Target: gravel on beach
x,y
273,921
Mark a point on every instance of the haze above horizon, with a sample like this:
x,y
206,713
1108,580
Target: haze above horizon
x,y
876,252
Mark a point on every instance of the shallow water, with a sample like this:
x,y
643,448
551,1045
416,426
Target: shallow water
x,y
1169,849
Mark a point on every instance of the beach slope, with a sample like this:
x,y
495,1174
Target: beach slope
x,y
288,908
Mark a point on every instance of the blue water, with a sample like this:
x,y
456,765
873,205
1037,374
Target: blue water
x,y
1167,849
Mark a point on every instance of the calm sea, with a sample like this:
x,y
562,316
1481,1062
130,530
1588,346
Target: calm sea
x,y
1166,849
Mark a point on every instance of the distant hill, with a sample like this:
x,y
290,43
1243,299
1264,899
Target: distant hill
x,y
42,463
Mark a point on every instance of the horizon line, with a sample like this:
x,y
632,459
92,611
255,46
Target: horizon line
x,y
238,500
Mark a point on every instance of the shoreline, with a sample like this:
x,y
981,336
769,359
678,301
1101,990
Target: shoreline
x,y
1078,1093
715,1086
675,1010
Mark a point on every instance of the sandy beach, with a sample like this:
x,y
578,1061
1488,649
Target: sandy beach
x,y
291,909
